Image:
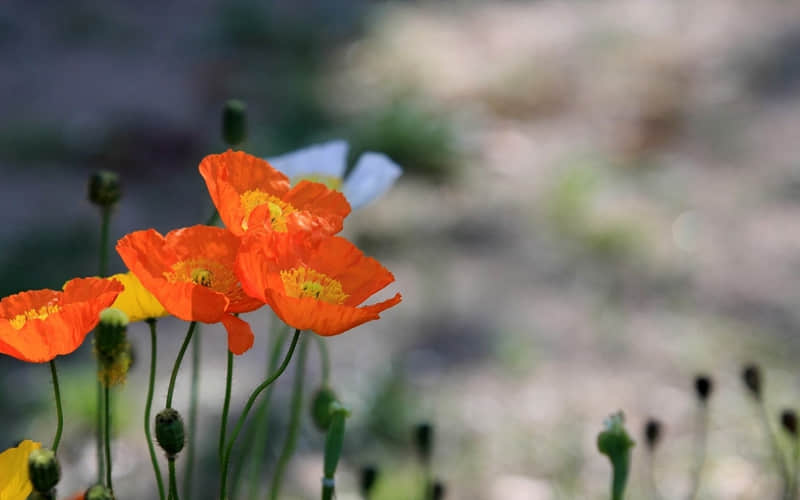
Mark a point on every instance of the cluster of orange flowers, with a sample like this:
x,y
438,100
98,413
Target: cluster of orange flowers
x,y
278,247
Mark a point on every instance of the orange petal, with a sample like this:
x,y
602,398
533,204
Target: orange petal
x,y
240,335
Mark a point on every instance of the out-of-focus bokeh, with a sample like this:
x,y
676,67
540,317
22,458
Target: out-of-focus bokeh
x,y
600,200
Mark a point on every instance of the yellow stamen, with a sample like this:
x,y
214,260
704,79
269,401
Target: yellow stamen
x,y
41,313
207,273
202,277
301,282
278,209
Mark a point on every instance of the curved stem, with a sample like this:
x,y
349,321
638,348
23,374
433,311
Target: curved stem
x,y
59,412
226,405
173,481
240,422
148,407
294,423
325,359
105,222
188,471
178,360
108,439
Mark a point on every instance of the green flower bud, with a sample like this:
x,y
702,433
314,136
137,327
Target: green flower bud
x,y
43,470
234,122
333,447
104,188
98,492
112,347
169,432
423,438
615,443
321,407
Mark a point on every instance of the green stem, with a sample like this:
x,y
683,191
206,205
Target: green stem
x,y
325,359
173,481
105,222
148,407
294,423
327,490
59,413
188,471
174,376
700,451
213,219
619,478
240,422
226,406
99,424
108,438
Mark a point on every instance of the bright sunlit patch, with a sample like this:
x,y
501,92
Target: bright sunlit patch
x,y
41,313
278,209
301,282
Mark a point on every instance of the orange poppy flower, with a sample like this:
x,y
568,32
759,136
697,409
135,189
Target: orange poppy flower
x,y
312,286
38,325
249,193
190,272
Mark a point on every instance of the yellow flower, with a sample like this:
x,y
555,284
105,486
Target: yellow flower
x,y
136,301
14,482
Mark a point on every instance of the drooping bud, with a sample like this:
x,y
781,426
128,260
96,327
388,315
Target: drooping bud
x,y
321,407
615,443
438,490
44,470
234,122
423,438
98,492
703,387
112,347
368,478
751,375
169,432
789,422
104,188
333,447
652,433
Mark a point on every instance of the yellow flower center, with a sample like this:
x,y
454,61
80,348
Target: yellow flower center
x,y
330,181
207,273
278,209
302,282
41,313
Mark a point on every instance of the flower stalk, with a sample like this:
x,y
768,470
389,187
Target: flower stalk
x,y
149,406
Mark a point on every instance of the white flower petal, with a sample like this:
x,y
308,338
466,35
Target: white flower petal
x,y
327,158
372,176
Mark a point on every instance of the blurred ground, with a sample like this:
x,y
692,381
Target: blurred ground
x,y
600,202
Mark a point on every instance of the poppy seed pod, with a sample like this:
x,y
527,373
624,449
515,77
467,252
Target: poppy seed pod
x,y
104,188
44,470
234,122
751,375
169,432
98,492
321,407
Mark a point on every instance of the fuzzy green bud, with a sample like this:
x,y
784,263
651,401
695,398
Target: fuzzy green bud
x,y
169,432
44,470
333,447
234,122
98,492
614,442
321,407
112,346
104,188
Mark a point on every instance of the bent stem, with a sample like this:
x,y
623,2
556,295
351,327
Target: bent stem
x,y
294,423
148,407
59,412
225,406
188,471
240,422
174,376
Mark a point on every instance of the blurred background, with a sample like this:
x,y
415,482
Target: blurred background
x,y
600,200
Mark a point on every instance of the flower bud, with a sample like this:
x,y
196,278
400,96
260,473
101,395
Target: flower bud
x,y
333,448
234,122
98,492
104,188
423,438
321,407
169,432
112,346
652,433
703,386
615,443
751,375
44,470
368,478
789,422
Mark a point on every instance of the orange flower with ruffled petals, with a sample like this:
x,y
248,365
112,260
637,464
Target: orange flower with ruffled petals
x,y
38,325
316,286
249,193
190,271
